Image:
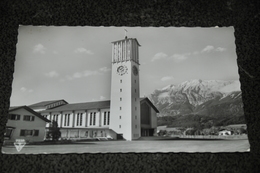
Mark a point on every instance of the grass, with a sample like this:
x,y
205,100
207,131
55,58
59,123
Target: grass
x,y
160,145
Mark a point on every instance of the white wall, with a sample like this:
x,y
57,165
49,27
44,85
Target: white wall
x,y
127,124
37,124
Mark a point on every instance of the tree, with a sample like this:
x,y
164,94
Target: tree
x,y
54,131
241,130
162,133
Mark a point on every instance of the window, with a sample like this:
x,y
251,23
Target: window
x,y
79,119
8,132
14,117
135,108
29,133
105,118
119,126
121,90
28,118
55,118
36,133
90,119
67,120
135,90
135,117
136,126
108,117
94,119
120,108
120,98
121,81
119,117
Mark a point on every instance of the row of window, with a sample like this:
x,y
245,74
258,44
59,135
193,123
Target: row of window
x,y
120,108
55,104
29,133
122,99
121,126
18,117
122,90
79,118
121,81
120,117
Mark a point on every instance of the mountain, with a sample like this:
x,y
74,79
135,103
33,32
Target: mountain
x,y
211,99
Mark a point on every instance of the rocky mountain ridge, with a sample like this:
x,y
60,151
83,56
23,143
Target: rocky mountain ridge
x,y
210,98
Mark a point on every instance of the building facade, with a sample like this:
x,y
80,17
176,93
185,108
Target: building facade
x,y
24,123
125,116
125,92
94,119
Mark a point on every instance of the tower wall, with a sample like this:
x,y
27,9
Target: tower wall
x,y
125,96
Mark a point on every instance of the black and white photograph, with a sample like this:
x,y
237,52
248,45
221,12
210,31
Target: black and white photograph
x,y
125,89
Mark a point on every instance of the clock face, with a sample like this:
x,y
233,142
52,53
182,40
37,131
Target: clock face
x,y
121,70
135,70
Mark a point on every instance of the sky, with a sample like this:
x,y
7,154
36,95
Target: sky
x,y
74,63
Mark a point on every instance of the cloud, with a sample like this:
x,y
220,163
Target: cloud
x,y
55,52
23,89
220,49
159,56
104,69
77,75
195,52
86,73
39,48
102,98
83,50
183,56
208,48
167,78
52,74
90,73
180,57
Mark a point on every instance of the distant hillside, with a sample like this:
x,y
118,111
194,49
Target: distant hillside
x,y
215,101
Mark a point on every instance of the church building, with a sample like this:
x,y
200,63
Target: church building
x,y
124,116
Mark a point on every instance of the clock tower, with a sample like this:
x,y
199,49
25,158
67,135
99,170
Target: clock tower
x,y
125,94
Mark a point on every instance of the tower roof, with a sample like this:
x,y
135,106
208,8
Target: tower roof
x,y
127,39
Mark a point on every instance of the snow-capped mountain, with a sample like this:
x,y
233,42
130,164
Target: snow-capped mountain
x,y
204,97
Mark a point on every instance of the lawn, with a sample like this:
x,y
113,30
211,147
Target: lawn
x,y
167,145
